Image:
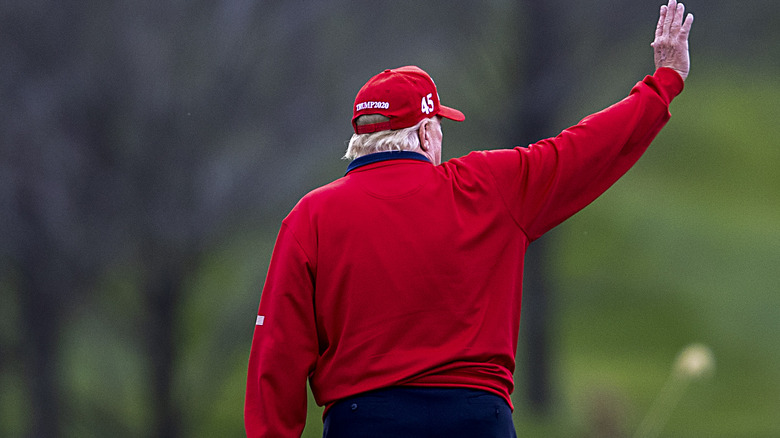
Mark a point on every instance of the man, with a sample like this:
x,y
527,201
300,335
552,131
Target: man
x,y
396,289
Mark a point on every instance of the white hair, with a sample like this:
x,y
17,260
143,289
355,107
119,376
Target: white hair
x,y
404,139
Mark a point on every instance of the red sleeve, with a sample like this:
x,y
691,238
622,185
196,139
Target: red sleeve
x,y
547,182
284,346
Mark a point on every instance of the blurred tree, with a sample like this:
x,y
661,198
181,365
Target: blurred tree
x,y
125,134
544,81
558,41
47,178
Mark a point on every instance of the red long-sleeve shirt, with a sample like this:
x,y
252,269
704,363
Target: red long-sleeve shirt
x,y
406,273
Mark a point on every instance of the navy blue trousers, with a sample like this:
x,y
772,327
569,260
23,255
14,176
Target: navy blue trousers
x,y
411,412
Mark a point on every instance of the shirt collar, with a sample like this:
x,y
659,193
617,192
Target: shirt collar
x,y
385,156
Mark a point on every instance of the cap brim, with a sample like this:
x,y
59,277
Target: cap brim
x,y
451,113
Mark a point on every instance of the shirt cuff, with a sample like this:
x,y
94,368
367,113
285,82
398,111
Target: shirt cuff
x,y
671,83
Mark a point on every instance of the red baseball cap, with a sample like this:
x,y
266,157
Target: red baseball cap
x,y
405,95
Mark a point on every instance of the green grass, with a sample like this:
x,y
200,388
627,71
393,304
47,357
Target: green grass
x,y
684,249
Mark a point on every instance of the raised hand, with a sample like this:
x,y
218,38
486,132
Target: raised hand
x,y
671,38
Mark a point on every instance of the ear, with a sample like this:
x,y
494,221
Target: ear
x,y
422,133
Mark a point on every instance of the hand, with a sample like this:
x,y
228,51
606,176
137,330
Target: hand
x,y
671,38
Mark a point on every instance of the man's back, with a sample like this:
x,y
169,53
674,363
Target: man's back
x,y
418,277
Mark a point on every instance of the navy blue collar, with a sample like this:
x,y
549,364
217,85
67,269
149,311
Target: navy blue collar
x,y
384,156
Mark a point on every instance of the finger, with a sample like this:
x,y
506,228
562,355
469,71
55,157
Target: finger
x,y
659,28
679,14
671,8
685,30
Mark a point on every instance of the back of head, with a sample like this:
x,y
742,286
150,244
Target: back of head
x,y
404,139
390,108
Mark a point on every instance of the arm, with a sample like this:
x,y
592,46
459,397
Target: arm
x,y
284,346
551,180
562,175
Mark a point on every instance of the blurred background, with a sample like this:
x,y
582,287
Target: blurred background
x,y
150,149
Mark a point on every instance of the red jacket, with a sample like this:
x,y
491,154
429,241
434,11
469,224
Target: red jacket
x,y
406,273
